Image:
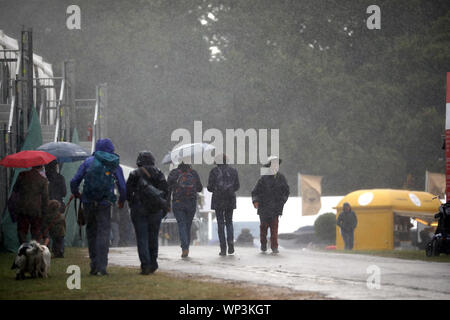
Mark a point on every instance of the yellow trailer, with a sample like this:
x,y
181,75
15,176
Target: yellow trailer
x,y
383,216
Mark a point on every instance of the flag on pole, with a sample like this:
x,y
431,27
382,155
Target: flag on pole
x,y
435,183
311,191
447,139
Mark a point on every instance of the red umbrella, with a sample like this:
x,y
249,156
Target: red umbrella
x,y
27,159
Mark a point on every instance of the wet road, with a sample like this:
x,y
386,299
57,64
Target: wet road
x,y
336,275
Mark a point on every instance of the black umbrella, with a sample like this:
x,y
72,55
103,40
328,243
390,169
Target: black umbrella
x,y
65,151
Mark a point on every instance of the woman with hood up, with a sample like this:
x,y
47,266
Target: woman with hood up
x,y
347,221
146,218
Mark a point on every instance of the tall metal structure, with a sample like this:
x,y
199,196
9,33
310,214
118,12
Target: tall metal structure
x,y
447,140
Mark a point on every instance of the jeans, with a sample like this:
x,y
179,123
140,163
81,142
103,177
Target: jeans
x,y
263,227
98,230
225,220
347,236
146,227
184,211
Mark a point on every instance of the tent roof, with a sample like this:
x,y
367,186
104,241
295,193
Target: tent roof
x,y
403,202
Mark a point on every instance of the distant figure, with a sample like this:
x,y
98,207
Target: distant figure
x,y
56,184
127,235
223,182
90,132
100,173
32,192
146,214
184,183
115,233
269,196
347,221
245,238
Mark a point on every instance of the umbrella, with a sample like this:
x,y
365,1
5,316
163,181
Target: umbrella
x,y
27,159
185,151
65,151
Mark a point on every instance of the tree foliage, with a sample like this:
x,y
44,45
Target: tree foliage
x,y
363,108
325,228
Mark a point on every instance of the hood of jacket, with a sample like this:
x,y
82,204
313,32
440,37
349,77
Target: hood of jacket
x,y
105,145
145,158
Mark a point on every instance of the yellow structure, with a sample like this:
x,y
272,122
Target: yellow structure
x,y
376,211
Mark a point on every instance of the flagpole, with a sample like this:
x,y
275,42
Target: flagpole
x,y
447,141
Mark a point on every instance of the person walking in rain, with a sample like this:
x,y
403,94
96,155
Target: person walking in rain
x,y
56,184
146,217
223,182
31,189
347,221
269,196
184,183
100,172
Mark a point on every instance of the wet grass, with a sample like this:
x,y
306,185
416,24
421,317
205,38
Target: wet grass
x,y
400,254
125,283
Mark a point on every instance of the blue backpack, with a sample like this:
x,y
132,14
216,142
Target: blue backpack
x,y
99,179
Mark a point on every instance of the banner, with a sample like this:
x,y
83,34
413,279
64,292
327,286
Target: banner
x,y
447,139
311,191
435,183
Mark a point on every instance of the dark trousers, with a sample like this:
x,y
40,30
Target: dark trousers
x,y
146,227
273,226
225,220
184,212
58,246
33,224
98,228
347,236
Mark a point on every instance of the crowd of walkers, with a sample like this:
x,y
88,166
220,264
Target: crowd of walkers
x,y
150,196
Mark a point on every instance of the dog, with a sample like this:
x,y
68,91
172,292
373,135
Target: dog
x,y
32,258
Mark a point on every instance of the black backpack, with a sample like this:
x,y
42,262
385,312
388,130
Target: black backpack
x,y
224,182
151,197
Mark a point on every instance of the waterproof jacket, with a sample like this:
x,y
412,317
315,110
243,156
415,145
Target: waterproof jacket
x,y
56,184
106,146
32,189
158,180
271,192
347,220
172,180
220,200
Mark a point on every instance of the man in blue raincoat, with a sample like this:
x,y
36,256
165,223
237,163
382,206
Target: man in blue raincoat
x,y
100,172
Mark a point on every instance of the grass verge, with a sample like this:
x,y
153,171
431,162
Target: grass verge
x,y
400,254
125,283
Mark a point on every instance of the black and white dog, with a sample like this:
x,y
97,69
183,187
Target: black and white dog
x,y
32,258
